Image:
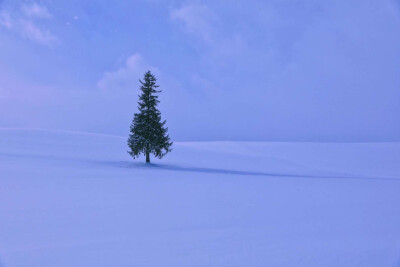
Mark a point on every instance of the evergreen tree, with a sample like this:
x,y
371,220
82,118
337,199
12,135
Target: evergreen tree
x,y
148,134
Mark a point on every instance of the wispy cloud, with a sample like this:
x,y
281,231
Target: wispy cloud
x,y
5,20
36,11
127,76
199,21
34,33
206,31
196,19
24,22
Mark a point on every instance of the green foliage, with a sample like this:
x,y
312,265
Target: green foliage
x,y
148,133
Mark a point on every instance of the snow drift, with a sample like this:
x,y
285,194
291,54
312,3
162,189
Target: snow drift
x,y
78,199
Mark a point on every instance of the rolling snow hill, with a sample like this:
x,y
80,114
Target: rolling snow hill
x,y
78,199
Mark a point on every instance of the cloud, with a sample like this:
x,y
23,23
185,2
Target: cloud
x,y
36,11
24,23
199,21
5,20
126,77
196,19
34,33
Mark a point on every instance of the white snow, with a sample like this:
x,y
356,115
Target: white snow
x,y
76,199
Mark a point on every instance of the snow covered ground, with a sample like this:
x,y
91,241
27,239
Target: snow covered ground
x,y
75,199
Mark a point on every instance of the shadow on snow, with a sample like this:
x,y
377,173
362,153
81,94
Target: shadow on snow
x,y
126,164
246,173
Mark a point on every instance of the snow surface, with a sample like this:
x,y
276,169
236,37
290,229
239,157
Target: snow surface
x,y
78,199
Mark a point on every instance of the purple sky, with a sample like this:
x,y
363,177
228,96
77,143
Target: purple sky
x,y
229,70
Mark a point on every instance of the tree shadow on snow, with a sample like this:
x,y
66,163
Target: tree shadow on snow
x,y
245,173
177,168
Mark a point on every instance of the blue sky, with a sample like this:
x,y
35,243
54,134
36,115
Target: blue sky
x,y
278,70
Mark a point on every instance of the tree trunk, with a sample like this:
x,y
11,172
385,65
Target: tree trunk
x,y
147,157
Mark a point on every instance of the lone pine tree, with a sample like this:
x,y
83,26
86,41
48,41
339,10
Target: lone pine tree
x,y
148,133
